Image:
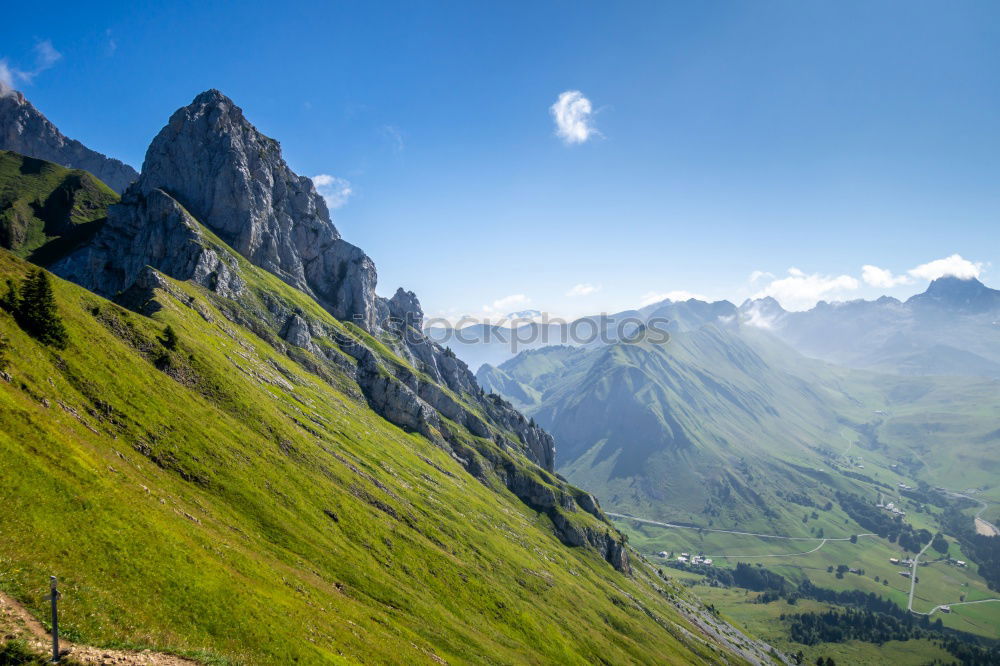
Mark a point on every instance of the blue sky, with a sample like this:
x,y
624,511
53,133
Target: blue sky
x,y
725,140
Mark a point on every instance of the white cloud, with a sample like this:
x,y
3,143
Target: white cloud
x,y
800,291
335,190
582,289
759,275
45,57
955,266
677,296
882,277
507,303
572,113
756,316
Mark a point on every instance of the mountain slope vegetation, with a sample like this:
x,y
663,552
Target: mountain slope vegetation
x,y
46,210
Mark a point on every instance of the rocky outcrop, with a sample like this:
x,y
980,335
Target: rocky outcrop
x,y
234,180
24,130
405,309
150,230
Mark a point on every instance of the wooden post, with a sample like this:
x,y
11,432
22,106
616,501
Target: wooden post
x,y
55,620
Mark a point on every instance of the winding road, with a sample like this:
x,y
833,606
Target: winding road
x,y
913,577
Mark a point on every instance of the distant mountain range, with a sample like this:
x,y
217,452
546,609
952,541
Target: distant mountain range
x,y
952,328
723,422
742,400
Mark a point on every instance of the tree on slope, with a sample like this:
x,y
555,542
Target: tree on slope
x,y
36,310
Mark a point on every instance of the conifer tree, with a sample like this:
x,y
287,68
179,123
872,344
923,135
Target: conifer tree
x,y
36,310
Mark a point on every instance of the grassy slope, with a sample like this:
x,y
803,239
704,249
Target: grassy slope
x,y
45,208
243,509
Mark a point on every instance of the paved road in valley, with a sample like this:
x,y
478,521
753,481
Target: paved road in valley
x,y
913,575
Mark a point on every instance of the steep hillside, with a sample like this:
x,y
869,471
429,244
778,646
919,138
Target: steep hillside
x,y
47,210
150,480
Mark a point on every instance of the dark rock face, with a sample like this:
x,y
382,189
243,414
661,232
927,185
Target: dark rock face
x,y
24,130
234,180
149,230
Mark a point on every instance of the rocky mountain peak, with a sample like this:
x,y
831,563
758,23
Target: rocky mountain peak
x,y
405,307
24,130
234,180
957,293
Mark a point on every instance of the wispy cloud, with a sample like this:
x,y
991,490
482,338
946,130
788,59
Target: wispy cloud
x,y
112,44
45,56
573,115
676,296
394,136
955,266
582,289
336,191
800,291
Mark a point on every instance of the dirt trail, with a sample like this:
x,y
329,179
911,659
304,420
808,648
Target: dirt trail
x,y
16,623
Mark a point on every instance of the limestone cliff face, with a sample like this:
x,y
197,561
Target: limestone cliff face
x,y
233,180
24,130
150,230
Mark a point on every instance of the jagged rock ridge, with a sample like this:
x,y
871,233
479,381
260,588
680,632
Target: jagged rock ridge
x,y
25,130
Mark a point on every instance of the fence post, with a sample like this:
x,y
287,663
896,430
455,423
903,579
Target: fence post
x,y
55,620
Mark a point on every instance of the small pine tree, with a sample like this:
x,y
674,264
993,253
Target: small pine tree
x,y
36,310
169,339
